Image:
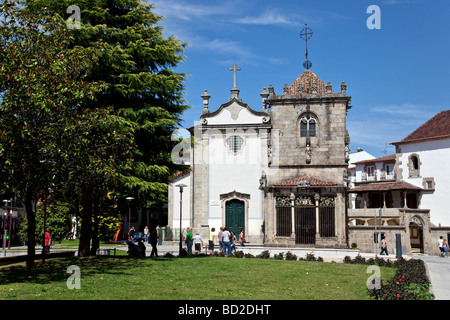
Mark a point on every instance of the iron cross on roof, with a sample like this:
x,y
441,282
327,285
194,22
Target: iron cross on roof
x,y
305,34
234,69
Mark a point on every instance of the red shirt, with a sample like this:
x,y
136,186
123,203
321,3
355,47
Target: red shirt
x,y
47,238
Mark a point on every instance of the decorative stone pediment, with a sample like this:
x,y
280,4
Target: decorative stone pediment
x,y
235,112
235,195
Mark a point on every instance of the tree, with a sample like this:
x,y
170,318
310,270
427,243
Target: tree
x,y
59,222
136,64
41,84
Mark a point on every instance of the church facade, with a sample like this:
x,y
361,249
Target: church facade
x,y
277,173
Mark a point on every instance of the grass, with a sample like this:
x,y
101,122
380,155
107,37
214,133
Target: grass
x,y
200,278
73,244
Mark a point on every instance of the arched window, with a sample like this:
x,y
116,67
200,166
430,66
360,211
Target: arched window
x,y
415,163
308,126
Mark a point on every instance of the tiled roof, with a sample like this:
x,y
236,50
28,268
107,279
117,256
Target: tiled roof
x,y
382,159
388,186
181,173
313,182
306,79
435,128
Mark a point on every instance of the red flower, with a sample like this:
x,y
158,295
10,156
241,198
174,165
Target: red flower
x,y
398,295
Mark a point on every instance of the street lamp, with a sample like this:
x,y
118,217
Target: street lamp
x,y
4,226
181,186
45,231
129,215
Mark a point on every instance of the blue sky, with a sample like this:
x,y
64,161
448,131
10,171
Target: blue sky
x,y
398,76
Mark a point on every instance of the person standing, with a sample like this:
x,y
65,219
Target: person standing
x,y
226,241
153,242
132,232
189,240
445,247
198,242
146,234
220,236
211,241
441,249
233,242
241,238
47,241
384,247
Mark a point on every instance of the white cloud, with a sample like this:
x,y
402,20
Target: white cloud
x,y
181,10
267,18
375,126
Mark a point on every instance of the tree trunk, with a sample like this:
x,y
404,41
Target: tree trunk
x,y
86,229
95,240
31,232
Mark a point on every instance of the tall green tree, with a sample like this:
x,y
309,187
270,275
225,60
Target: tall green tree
x,y
136,63
41,84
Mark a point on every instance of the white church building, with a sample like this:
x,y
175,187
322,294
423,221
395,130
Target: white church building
x,y
276,173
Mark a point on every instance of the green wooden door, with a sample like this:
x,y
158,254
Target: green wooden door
x,y
235,216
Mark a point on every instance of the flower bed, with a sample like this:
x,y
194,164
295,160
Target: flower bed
x,y
409,283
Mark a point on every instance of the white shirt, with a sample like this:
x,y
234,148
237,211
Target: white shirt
x,y
197,238
226,236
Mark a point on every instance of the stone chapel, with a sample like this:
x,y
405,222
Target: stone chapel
x,y
277,173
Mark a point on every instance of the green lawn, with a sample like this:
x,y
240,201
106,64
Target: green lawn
x,y
64,244
196,278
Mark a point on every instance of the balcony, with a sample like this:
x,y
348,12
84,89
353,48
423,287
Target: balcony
x,y
377,176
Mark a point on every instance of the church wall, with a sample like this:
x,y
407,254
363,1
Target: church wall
x,y
240,172
327,147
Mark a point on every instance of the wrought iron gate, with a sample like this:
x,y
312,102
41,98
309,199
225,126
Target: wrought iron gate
x,y
305,213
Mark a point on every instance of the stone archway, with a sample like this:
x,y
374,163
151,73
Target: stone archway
x,y
416,234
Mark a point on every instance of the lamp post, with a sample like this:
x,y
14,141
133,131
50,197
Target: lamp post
x,y
181,186
129,215
4,226
45,230
10,224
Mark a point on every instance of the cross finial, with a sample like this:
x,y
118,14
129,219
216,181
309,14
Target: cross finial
x,y
306,34
234,69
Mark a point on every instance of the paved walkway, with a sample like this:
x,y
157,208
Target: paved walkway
x,y
439,273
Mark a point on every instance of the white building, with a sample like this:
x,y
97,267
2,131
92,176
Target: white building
x,y
423,160
410,187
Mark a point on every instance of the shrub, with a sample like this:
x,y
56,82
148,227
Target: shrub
x,y
409,283
238,254
310,257
279,256
347,259
359,259
264,255
248,255
291,256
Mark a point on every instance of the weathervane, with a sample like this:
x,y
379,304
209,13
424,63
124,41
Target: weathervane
x,y
306,34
